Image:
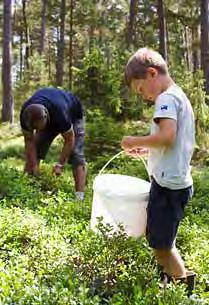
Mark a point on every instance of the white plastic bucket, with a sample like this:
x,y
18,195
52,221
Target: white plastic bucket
x,y
120,199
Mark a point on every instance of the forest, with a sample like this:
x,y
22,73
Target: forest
x,y
48,253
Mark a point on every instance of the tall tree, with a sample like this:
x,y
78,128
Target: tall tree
x,y
43,26
195,48
204,6
7,105
162,29
61,45
26,31
21,54
132,16
71,43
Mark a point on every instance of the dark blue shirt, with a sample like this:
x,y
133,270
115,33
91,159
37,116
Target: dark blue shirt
x,y
64,108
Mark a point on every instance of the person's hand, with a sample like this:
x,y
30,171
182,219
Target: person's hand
x,y
137,152
57,169
127,143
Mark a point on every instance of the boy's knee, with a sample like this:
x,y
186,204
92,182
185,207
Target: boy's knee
x,y
162,253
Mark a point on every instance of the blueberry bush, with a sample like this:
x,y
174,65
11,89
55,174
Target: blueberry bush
x,y
49,255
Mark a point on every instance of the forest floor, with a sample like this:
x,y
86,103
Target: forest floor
x,y
49,255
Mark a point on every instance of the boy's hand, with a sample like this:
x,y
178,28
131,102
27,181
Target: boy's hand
x,y
57,169
128,143
137,152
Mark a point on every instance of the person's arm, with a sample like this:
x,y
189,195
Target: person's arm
x,y
69,141
165,137
31,163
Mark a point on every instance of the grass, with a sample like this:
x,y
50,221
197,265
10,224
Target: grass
x,y
48,253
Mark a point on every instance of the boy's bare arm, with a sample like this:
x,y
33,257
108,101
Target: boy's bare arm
x,y
165,137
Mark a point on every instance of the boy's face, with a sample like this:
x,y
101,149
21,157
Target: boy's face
x,y
149,87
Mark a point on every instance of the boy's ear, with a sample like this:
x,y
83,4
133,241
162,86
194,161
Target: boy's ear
x,y
152,71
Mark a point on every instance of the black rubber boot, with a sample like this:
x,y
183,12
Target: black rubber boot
x,y
165,279
189,280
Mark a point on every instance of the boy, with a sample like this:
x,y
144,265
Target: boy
x,y
170,145
49,112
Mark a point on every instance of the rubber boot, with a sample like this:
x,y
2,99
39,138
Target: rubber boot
x,y
190,281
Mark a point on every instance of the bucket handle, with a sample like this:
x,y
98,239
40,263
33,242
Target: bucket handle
x,y
118,154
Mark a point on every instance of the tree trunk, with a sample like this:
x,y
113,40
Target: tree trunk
x,y
91,38
186,47
49,59
61,46
7,105
205,42
162,30
43,26
131,21
195,48
21,54
27,39
71,44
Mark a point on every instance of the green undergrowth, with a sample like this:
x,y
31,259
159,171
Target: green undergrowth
x,y
49,255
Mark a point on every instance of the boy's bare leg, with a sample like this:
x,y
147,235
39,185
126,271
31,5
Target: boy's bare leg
x,y
172,262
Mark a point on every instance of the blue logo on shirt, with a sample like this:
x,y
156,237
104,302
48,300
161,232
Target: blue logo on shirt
x,y
164,107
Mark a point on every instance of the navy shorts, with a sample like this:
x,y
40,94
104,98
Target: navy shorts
x,y
45,138
164,211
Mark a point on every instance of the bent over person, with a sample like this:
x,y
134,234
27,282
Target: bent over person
x,y
46,114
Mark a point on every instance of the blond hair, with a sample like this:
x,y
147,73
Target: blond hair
x,y
144,58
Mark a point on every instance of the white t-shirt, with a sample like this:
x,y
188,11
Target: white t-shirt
x,y
171,166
